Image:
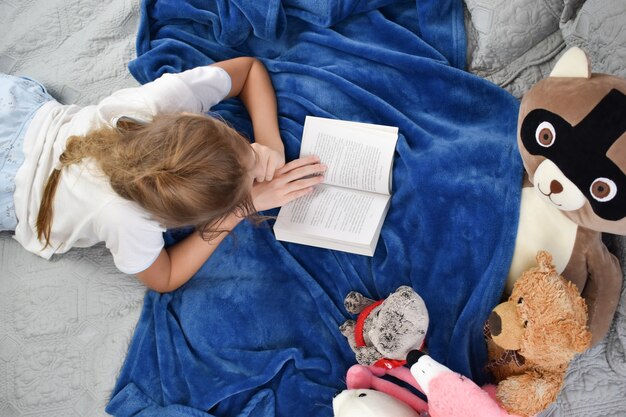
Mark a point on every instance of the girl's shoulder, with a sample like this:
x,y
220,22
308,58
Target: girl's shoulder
x,y
121,213
133,238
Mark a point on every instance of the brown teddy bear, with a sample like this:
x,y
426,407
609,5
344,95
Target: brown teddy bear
x,y
533,336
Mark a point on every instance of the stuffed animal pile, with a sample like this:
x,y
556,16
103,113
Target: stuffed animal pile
x,y
563,285
532,338
449,394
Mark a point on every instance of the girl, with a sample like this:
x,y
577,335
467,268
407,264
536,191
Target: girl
x,y
143,160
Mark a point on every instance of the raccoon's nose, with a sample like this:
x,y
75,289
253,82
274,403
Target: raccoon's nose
x,y
555,187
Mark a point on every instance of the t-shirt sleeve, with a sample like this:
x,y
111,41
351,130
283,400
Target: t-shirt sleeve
x,y
135,241
195,90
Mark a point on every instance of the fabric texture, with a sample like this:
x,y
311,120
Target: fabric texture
x,y
87,210
255,332
595,383
65,323
515,44
19,100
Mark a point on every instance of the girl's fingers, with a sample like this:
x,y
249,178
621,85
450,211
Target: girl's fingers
x,y
297,163
304,183
277,160
265,169
262,170
304,171
260,177
269,169
297,194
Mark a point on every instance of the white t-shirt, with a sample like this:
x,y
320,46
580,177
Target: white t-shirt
x,y
86,209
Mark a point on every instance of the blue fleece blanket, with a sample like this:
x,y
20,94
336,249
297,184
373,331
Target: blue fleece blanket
x,y
255,332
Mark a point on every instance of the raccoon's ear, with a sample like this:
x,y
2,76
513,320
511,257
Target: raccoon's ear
x,y
573,64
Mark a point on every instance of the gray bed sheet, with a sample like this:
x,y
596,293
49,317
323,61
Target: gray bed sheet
x,y
515,43
595,384
65,324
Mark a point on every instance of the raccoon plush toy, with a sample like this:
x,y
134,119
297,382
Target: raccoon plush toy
x,y
572,138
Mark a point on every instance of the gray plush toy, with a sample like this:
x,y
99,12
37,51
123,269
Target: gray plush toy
x,y
385,331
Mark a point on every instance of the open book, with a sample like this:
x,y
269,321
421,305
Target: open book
x,y
346,211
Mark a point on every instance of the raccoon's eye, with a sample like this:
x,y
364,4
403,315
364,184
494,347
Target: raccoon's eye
x,y
603,189
545,134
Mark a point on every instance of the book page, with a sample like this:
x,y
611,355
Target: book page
x,y
358,155
334,213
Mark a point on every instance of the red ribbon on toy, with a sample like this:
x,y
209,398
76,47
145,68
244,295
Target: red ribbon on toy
x,y
360,323
389,363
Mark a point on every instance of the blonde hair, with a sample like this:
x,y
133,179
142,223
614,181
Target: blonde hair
x,y
183,169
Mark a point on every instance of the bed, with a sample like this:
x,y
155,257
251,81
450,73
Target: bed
x,y
77,337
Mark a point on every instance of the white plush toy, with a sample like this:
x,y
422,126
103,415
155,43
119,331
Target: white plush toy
x,y
370,403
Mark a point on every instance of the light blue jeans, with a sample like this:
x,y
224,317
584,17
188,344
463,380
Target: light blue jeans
x,y
19,100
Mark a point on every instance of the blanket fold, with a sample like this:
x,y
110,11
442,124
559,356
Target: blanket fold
x,y
255,332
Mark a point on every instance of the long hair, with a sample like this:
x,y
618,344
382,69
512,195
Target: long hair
x,y
183,169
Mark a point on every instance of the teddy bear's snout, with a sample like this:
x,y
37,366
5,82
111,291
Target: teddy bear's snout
x,y
495,324
505,327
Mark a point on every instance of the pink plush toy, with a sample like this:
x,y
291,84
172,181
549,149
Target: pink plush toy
x,y
449,394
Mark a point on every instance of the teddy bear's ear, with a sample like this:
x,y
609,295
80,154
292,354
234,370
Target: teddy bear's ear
x,y
544,260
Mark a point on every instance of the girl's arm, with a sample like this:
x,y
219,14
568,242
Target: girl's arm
x,y
178,263
251,82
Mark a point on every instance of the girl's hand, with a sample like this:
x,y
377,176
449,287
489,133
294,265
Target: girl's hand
x,y
268,160
291,181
